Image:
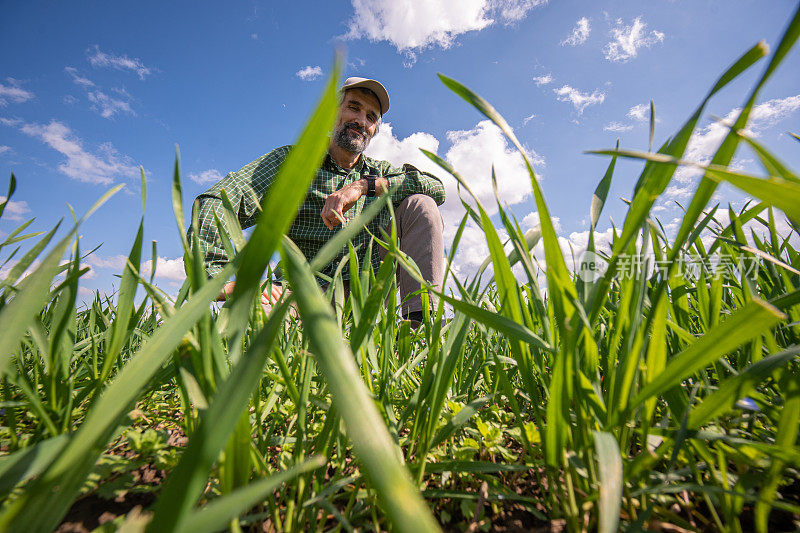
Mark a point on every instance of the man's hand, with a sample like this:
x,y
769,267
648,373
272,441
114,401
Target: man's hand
x,y
268,297
339,202
226,291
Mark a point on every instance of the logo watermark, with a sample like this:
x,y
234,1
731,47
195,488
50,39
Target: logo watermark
x,y
593,266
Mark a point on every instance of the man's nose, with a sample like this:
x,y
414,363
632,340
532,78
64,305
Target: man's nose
x,y
361,120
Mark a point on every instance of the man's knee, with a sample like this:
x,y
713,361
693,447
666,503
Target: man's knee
x,y
421,209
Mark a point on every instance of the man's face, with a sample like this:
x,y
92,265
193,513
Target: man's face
x,y
358,119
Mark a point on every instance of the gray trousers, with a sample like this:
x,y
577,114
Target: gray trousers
x,y
419,230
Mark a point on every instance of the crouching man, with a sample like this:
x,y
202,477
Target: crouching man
x,y
345,183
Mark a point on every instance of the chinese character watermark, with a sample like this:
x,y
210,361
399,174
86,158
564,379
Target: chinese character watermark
x,y
593,266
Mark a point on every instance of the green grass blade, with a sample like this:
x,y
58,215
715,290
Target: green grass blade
x,y
556,266
737,387
280,204
16,316
127,291
726,151
499,323
29,462
187,482
71,467
100,201
785,438
601,193
773,165
462,417
373,445
781,193
609,466
377,294
177,201
12,186
27,260
217,515
15,237
655,179
231,222
652,125
748,322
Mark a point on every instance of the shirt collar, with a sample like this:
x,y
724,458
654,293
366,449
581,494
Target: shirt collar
x,y
363,163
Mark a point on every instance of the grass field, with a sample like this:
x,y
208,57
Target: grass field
x,y
640,396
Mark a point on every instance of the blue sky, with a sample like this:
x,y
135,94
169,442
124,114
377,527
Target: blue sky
x,y
89,91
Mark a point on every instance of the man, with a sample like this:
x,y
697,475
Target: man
x,y
344,184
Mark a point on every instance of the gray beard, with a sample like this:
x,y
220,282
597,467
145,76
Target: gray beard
x,y
354,145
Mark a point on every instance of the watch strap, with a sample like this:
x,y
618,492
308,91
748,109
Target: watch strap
x,y
370,186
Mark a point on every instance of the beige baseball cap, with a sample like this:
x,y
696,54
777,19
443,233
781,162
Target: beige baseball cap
x,y
374,86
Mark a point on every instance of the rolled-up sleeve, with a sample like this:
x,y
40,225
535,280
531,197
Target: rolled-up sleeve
x,y
410,180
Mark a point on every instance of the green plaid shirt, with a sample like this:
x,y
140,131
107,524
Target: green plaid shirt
x,y
246,186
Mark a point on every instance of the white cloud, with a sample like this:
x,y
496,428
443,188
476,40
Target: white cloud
x,y
772,111
85,291
627,40
14,210
705,141
578,99
108,106
531,220
574,246
579,33
6,270
102,59
640,113
207,177
77,78
617,126
13,93
387,147
4,149
254,36
115,262
309,73
513,10
69,99
528,119
473,250
472,154
543,80
416,24
100,168
166,269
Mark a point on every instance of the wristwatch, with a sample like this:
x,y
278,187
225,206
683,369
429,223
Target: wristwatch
x,y
370,186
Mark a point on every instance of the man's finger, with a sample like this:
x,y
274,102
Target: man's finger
x,y
276,292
